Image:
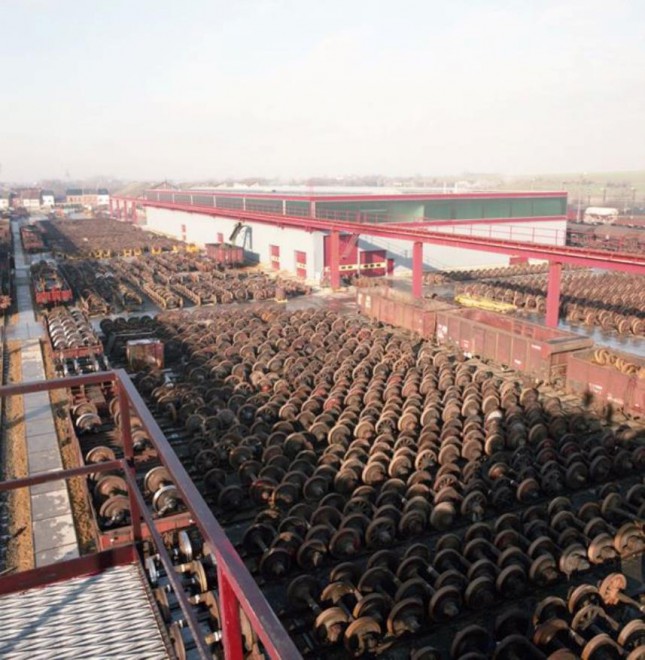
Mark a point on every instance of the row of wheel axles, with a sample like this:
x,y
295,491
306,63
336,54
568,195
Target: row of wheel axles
x,y
196,567
353,439
611,301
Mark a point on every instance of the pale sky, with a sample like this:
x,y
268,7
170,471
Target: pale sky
x,y
156,89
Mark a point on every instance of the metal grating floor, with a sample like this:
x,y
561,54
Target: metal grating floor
x,y
107,615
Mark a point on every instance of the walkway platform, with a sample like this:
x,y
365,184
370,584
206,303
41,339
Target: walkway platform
x,y
53,531
108,615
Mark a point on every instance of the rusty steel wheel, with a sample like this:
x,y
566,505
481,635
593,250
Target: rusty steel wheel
x,y
362,636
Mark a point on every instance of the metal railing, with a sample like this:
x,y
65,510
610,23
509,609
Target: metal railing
x,y
237,588
286,208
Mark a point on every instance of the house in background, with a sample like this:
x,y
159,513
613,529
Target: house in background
x,y
88,198
30,199
4,200
102,198
74,196
47,199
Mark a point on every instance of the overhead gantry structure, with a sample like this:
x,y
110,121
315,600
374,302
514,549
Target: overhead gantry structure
x,y
419,233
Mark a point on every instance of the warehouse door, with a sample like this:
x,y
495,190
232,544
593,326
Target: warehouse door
x,y
301,264
275,256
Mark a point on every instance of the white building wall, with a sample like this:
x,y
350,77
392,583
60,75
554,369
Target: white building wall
x,y
102,200
256,239
201,229
48,200
4,203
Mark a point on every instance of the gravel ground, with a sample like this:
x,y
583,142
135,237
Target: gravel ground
x,y
19,548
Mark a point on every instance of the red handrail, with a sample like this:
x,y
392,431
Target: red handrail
x,y
237,588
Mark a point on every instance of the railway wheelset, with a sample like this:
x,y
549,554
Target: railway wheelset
x,y
393,498
95,416
614,302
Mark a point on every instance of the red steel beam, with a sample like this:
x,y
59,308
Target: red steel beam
x,y
171,572
334,260
417,269
553,294
246,592
55,475
232,640
631,263
262,618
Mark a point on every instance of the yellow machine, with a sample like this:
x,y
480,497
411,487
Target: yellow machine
x,y
485,303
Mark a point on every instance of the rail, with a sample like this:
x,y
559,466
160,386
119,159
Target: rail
x,y
237,588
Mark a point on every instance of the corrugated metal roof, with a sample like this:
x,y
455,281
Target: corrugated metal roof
x,y
107,615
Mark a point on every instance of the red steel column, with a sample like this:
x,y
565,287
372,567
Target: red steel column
x,y
334,260
553,294
417,269
230,610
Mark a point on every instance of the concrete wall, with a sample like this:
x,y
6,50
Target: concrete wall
x,y
255,238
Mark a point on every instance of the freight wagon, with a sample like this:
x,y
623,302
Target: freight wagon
x,y
536,350
388,306
223,253
611,383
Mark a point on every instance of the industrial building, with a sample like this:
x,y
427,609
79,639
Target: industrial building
x,y
191,215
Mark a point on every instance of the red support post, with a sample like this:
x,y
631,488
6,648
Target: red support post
x,y
334,260
230,607
128,455
553,294
417,269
